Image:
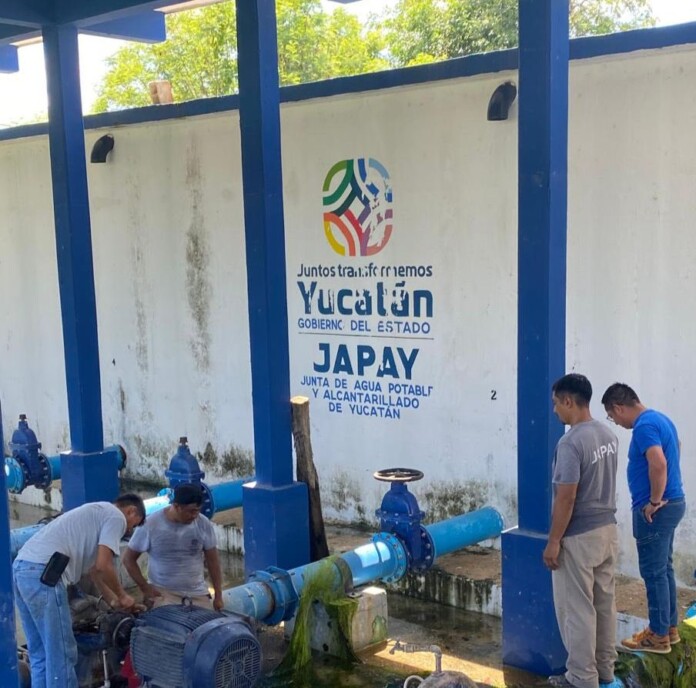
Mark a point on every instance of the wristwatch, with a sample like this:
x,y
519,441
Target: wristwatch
x,y
654,503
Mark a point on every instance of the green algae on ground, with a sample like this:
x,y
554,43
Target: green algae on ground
x,y
675,670
327,587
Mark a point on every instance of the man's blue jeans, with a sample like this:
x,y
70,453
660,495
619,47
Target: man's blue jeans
x,y
47,624
655,542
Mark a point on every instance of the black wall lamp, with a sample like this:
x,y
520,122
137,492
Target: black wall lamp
x,y
501,101
101,148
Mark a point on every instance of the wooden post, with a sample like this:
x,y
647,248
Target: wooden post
x,y
307,473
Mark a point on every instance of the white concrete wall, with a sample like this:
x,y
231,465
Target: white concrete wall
x,y
632,250
171,285
170,272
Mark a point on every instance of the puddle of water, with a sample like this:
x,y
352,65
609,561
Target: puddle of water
x,y
327,674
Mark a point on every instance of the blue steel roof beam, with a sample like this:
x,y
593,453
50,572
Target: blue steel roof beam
x,y
28,13
81,13
11,33
148,27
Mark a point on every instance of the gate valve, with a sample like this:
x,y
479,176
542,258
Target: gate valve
x,y
25,449
400,515
183,467
185,470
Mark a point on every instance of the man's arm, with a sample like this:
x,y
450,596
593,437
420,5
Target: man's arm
x,y
130,562
657,472
104,574
108,595
212,561
562,512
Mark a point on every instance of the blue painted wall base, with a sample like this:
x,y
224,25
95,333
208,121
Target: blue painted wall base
x,y
89,477
276,526
531,639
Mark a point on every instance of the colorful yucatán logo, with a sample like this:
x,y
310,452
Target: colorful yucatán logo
x,y
358,207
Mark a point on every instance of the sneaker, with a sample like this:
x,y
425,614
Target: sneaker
x,y
560,681
674,636
647,641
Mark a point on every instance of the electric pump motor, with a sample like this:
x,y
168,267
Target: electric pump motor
x,y
182,646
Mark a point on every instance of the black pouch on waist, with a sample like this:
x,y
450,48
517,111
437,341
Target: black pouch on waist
x,y
54,569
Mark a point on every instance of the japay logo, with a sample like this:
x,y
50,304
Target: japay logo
x,y
358,207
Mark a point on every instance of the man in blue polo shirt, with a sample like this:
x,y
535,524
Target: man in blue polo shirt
x,y
657,501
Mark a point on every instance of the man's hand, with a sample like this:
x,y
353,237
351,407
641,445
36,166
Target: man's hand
x,y
150,591
649,510
551,555
218,602
125,601
150,594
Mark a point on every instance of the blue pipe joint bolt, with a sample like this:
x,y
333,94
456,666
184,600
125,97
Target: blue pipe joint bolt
x,y
400,553
401,515
25,449
183,467
283,592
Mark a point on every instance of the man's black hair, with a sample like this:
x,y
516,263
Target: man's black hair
x,y
619,394
131,499
188,494
575,385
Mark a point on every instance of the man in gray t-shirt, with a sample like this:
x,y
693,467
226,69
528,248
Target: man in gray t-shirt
x,y
583,539
89,536
178,541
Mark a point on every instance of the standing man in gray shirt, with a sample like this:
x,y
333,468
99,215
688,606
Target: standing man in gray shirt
x,y
88,537
583,539
178,540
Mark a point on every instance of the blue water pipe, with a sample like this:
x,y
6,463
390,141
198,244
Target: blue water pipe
x,y
272,595
184,469
224,496
221,497
28,466
16,479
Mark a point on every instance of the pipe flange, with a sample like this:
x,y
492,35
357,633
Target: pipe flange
x,y
345,573
16,475
398,551
284,595
45,479
208,506
428,552
123,456
46,473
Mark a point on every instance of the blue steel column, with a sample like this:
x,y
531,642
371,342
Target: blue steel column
x,y
530,633
276,518
8,643
89,474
